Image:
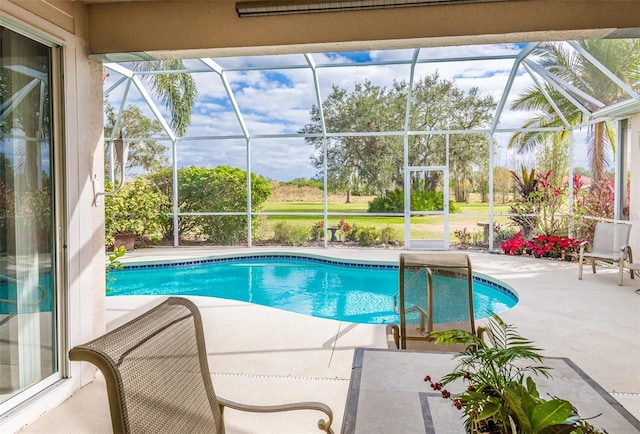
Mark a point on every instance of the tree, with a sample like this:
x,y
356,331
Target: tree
x,y
148,155
176,90
620,56
553,156
370,160
439,105
503,182
376,161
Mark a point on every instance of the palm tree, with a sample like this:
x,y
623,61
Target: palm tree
x,y
620,56
176,90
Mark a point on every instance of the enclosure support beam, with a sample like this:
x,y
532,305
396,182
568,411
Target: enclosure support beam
x,y
620,186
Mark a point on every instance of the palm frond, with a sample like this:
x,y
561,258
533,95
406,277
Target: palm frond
x,y
176,90
621,57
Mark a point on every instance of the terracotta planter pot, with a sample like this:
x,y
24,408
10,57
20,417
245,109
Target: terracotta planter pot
x,y
126,240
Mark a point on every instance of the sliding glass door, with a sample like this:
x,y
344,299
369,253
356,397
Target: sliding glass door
x,y
28,331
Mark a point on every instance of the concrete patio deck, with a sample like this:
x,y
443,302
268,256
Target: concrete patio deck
x,y
262,355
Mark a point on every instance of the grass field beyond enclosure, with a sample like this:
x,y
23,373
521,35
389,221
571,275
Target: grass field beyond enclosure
x,y
308,200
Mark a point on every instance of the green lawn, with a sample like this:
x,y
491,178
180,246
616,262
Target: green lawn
x,y
427,227
470,208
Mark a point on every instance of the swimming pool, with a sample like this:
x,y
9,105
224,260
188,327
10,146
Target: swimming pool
x,y
326,288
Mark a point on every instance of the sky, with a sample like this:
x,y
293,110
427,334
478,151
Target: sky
x,y
277,101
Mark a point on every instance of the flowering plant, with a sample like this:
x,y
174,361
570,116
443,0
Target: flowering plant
x,y
317,230
545,245
538,246
344,227
501,396
514,245
568,246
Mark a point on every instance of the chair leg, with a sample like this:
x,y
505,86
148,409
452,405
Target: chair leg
x,y
580,268
593,265
620,272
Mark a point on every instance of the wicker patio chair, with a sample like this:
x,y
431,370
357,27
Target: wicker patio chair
x,y
157,375
610,245
435,293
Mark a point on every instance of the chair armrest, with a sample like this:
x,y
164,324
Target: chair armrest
x,y
585,245
480,332
323,425
625,251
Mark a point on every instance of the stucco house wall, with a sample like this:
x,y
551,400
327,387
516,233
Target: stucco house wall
x,y
78,143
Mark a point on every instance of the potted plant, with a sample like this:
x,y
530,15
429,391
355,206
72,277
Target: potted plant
x,y
569,246
539,246
134,211
515,245
501,396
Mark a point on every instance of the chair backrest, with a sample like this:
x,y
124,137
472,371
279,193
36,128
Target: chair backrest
x,y
156,372
435,293
609,238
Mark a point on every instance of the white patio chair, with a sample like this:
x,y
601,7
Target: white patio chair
x,y
610,245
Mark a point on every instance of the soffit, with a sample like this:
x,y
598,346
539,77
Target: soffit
x,y
176,28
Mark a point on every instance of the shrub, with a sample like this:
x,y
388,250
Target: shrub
x,y
136,208
539,208
286,234
393,202
304,182
367,236
221,189
353,235
463,236
427,200
598,203
505,233
544,245
317,230
114,264
430,200
387,233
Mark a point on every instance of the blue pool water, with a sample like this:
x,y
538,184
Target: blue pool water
x,y
361,293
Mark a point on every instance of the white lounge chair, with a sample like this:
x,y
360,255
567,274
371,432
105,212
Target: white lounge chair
x,y
610,245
